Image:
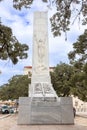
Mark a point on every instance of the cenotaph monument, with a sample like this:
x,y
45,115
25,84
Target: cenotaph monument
x,y
43,106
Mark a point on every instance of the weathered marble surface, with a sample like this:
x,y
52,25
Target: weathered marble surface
x,y
40,58
45,112
41,82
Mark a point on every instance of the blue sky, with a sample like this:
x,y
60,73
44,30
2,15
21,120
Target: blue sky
x,y
21,23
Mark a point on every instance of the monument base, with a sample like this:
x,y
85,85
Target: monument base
x,y
45,112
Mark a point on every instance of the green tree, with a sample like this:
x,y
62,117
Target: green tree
x,y
61,79
68,80
10,47
17,87
78,58
67,11
79,85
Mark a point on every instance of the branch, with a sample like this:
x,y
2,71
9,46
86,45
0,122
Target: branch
x,y
79,12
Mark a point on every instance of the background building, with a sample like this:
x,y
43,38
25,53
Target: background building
x,y
28,70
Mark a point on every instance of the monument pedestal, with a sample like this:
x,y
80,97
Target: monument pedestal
x,y
45,112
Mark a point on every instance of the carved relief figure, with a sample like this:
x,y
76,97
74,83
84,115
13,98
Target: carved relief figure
x,y
41,54
41,51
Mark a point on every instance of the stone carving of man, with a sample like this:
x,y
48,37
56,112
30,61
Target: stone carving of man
x,y
40,43
41,52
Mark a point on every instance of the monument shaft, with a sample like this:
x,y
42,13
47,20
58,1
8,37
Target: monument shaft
x,y
40,60
41,86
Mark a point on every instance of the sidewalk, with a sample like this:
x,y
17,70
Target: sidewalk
x,y
10,123
4,116
48,127
76,126
82,114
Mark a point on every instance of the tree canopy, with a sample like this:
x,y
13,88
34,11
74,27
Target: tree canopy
x,y
78,57
79,84
17,87
10,47
61,79
68,80
67,11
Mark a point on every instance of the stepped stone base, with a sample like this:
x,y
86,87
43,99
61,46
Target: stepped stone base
x,y
59,111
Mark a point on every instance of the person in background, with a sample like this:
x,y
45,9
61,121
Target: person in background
x,y
74,111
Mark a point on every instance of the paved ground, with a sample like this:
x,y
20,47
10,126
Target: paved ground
x,y
10,123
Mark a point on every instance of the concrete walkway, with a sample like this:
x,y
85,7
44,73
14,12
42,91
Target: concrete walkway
x,y
76,126
48,127
82,114
10,123
4,116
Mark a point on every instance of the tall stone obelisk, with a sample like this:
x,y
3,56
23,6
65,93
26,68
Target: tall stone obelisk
x,y
43,106
40,82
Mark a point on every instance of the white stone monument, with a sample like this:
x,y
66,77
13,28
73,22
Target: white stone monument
x,y
41,86
43,106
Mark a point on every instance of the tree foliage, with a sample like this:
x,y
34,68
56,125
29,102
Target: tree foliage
x,y
18,4
68,80
78,57
10,47
17,87
61,79
79,85
67,11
